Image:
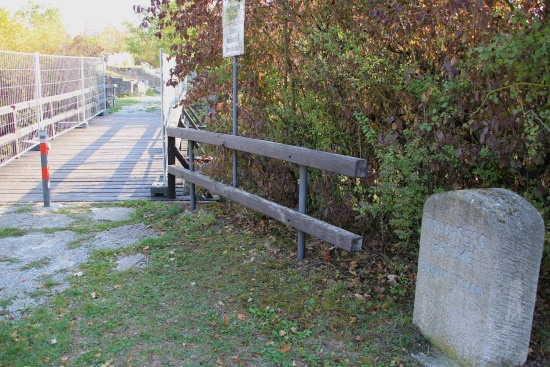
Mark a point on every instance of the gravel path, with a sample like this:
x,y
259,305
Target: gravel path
x,y
45,254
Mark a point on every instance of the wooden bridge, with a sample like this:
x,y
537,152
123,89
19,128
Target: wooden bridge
x,y
117,157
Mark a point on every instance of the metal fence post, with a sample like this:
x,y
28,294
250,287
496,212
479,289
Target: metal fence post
x,y
38,89
45,169
82,76
104,85
192,169
302,208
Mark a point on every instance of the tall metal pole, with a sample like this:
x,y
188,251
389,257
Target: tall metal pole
x,y
235,114
163,118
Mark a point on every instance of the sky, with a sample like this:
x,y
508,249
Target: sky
x,y
80,16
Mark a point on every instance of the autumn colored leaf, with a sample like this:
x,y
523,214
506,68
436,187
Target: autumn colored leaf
x,y
285,348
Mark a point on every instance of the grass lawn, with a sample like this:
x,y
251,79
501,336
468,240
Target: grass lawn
x,y
223,287
121,102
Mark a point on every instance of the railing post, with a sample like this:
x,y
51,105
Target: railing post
x,y
192,169
302,208
164,121
38,89
104,86
45,169
171,161
18,145
83,83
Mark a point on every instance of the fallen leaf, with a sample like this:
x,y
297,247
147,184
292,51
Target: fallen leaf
x,y
145,249
97,355
41,286
47,360
172,259
172,252
282,333
230,300
53,341
354,265
226,320
116,286
285,348
64,359
235,359
271,342
293,330
217,336
358,338
193,284
250,300
241,317
94,296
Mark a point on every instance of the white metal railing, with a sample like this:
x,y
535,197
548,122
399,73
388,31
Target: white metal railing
x,y
44,92
171,97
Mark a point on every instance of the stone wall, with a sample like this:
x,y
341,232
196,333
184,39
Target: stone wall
x,y
149,77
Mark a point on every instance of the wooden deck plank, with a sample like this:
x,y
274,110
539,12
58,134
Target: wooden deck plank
x,y
118,157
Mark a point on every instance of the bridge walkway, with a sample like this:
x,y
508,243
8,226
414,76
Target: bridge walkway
x,y
118,157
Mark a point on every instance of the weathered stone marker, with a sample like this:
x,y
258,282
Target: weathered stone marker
x,y
480,253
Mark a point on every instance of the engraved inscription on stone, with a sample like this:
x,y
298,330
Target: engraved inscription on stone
x,y
479,259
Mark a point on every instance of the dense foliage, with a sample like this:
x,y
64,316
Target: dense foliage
x,y
436,96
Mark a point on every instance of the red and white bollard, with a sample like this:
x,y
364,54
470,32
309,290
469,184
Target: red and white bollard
x,y
45,169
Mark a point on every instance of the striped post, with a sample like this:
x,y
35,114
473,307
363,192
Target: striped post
x,y
45,169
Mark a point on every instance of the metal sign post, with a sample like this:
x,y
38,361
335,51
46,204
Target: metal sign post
x,y
233,46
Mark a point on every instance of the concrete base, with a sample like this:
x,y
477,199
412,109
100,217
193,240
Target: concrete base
x,y
159,189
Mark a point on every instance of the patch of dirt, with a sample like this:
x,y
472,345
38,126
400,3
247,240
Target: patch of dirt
x,y
37,264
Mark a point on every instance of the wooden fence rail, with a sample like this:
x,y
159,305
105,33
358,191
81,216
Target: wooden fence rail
x,y
344,165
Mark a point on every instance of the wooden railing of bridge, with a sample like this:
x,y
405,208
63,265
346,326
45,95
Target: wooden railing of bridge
x,y
306,158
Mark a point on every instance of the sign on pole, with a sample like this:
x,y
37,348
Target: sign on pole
x,y
233,28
